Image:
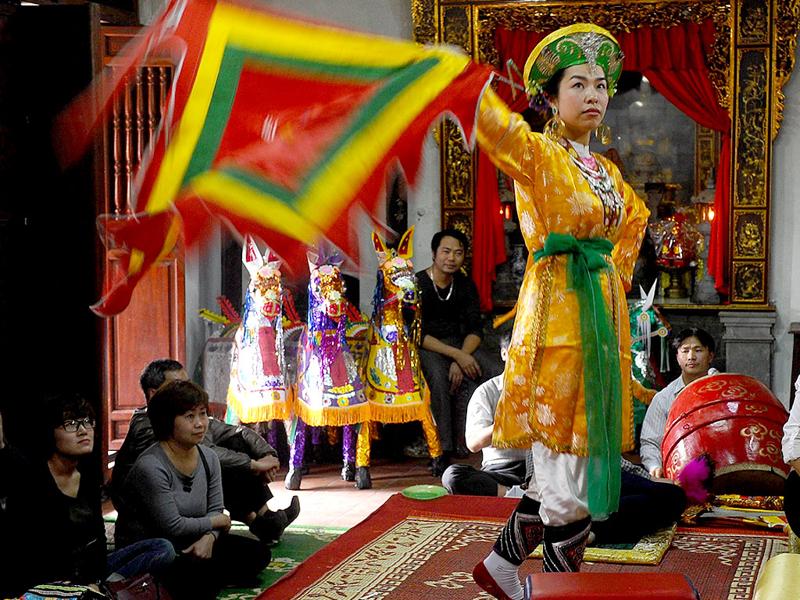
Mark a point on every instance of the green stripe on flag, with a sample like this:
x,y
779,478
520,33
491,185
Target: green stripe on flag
x,y
224,94
265,186
219,112
370,111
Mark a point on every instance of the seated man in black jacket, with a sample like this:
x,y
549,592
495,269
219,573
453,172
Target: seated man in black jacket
x,y
248,462
451,356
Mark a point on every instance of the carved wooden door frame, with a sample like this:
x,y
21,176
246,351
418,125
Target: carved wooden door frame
x,y
154,324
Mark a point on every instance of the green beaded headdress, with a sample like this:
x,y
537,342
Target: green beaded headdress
x,y
577,44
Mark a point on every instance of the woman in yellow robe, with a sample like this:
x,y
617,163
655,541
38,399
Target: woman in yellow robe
x,y
567,379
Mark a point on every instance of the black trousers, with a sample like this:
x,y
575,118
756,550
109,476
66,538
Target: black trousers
x,y
244,492
791,501
236,560
469,481
644,507
450,410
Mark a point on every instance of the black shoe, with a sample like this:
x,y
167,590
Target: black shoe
x,y
293,479
269,526
438,465
349,472
363,479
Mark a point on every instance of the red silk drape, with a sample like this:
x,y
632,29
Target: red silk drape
x,y
488,235
673,61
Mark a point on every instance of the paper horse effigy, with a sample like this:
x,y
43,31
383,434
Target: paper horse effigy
x,y
258,389
394,384
329,388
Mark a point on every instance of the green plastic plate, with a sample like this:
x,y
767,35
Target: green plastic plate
x,y
424,492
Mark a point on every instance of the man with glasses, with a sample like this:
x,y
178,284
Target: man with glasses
x,y
248,462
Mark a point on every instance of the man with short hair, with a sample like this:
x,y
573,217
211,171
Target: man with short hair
x,y
451,357
501,468
695,351
248,462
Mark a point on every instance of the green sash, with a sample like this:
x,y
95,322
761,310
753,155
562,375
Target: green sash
x,y
601,376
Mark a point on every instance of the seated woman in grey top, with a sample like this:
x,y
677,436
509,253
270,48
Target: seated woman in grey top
x,y
174,490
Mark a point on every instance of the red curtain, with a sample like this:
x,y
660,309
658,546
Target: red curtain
x,y
673,61
488,236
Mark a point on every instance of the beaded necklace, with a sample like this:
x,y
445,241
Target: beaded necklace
x,y
599,181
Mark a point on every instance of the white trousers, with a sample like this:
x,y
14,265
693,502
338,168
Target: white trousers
x,y
561,486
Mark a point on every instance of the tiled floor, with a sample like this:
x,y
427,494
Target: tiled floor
x,y
326,500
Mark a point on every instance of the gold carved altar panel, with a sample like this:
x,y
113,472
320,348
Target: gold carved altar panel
x,y
751,61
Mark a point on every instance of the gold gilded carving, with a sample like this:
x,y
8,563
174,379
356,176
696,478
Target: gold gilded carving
x,y
458,169
461,220
756,409
615,16
706,156
456,28
753,22
425,23
787,22
749,234
748,282
719,63
752,130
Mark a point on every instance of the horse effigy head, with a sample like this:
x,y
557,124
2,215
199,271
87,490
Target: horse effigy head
x,y
646,322
326,285
396,268
264,290
644,316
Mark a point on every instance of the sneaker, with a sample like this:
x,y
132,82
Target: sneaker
x,y
418,449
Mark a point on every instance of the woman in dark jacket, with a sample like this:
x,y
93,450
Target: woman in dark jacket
x,y
55,508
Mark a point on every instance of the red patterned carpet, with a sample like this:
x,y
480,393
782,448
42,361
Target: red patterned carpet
x,y
411,549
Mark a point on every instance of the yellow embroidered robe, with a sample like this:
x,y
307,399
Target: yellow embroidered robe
x,y
543,391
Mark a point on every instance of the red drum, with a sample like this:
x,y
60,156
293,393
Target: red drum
x,y
739,423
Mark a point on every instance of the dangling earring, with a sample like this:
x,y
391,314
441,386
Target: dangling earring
x,y
554,128
603,134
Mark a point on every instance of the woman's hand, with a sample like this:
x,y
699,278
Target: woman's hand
x,y
202,548
221,522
